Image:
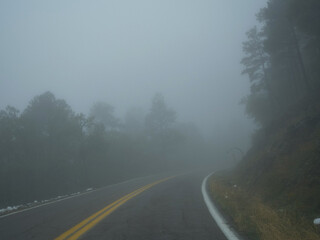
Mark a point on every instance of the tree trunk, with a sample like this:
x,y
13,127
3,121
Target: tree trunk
x,y
300,60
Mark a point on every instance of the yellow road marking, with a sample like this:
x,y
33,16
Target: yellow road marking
x,y
88,223
87,220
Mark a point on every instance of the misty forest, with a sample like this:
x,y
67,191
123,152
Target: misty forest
x,y
249,111
49,150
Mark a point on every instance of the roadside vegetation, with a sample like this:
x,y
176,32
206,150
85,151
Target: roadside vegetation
x,y
273,193
255,219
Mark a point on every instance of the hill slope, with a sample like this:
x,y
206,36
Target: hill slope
x,y
279,179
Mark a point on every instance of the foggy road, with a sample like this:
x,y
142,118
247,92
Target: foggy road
x,y
172,208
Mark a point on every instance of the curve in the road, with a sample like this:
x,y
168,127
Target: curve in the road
x,y
221,222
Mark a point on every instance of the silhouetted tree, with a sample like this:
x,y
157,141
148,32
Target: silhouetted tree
x,y
160,117
104,113
281,58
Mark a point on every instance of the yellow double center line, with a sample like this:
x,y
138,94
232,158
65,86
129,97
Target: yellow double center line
x,y
84,226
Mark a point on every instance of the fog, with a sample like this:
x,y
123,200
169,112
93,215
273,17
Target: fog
x,y
119,62
123,52
102,100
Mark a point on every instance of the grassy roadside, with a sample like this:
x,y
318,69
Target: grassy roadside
x,y
274,191
254,218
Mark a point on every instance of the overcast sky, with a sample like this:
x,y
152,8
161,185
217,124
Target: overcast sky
x,y
123,52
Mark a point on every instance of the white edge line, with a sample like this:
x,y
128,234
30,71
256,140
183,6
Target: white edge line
x,y
44,204
221,222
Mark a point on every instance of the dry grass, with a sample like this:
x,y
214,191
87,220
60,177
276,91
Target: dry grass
x,y
255,219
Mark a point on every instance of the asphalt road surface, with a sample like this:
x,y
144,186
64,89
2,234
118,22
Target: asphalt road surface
x,y
143,208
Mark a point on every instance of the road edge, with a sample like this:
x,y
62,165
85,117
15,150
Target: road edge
x,y
70,196
216,215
